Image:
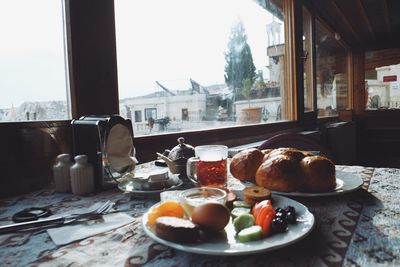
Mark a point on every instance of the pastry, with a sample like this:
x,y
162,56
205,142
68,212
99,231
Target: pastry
x,y
280,173
293,153
254,194
176,229
244,164
320,174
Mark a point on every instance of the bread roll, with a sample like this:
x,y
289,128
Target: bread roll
x,y
293,153
280,173
244,164
320,174
267,151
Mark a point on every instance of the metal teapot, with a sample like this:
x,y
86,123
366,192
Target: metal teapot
x,y
177,157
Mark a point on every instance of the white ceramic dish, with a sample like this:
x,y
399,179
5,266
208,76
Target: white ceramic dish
x,y
128,186
228,245
346,182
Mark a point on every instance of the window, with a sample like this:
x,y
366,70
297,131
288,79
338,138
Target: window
x,y
138,116
331,72
150,113
32,61
185,114
222,61
308,61
382,85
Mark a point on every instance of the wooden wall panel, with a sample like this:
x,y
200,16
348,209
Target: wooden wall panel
x,y
28,153
359,94
380,58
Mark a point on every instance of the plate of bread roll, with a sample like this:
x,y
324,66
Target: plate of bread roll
x,y
292,172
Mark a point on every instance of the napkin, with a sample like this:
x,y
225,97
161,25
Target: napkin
x,y
70,233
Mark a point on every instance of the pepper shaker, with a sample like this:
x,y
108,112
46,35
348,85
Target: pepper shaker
x,y
82,178
61,173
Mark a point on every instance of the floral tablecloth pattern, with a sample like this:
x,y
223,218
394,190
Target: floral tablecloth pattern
x,y
361,228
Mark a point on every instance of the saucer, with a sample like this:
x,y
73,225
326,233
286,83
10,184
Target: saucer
x,y
172,183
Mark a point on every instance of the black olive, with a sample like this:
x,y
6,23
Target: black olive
x,y
278,225
278,210
291,217
281,214
291,209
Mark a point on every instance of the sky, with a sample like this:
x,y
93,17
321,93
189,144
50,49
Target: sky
x,y
157,40
190,41
32,65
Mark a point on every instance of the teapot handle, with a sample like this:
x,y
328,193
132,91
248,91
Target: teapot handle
x,y
191,167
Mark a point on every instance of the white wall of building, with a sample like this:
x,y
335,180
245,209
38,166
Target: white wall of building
x,y
270,103
170,106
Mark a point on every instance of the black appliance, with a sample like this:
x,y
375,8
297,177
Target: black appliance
x,y
107,140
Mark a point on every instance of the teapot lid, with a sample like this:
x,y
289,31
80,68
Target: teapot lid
x,y
182,150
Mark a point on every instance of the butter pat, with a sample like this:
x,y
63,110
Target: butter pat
x,y
154,179
158,176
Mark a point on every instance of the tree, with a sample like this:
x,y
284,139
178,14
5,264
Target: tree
x,y
239,60
259,83
247,88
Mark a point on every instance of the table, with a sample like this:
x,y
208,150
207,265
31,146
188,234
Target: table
x,y
357,229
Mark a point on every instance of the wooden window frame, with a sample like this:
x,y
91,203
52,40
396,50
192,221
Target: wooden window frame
x,y
93,89
309,68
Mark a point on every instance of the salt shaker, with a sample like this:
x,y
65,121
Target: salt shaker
x,y
61,173
82,177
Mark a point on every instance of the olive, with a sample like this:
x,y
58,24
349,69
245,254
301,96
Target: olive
x,y
291,217
278,210
291,209
281,213
278,225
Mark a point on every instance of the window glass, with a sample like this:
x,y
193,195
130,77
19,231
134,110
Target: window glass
x,y
150,113
382,84
331,72
307,61
201,64
138,116
33,80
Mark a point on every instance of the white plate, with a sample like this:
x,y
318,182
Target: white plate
x,y
230,246
128,187
345,182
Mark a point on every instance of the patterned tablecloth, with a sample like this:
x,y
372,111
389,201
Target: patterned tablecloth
x,y
361,228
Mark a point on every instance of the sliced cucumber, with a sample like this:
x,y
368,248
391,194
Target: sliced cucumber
x,y
250,234
243,221
241,204
237,211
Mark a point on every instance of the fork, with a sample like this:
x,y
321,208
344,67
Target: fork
x,y
103,209
60,220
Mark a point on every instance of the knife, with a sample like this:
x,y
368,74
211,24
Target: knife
x,y
57,221
32,224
